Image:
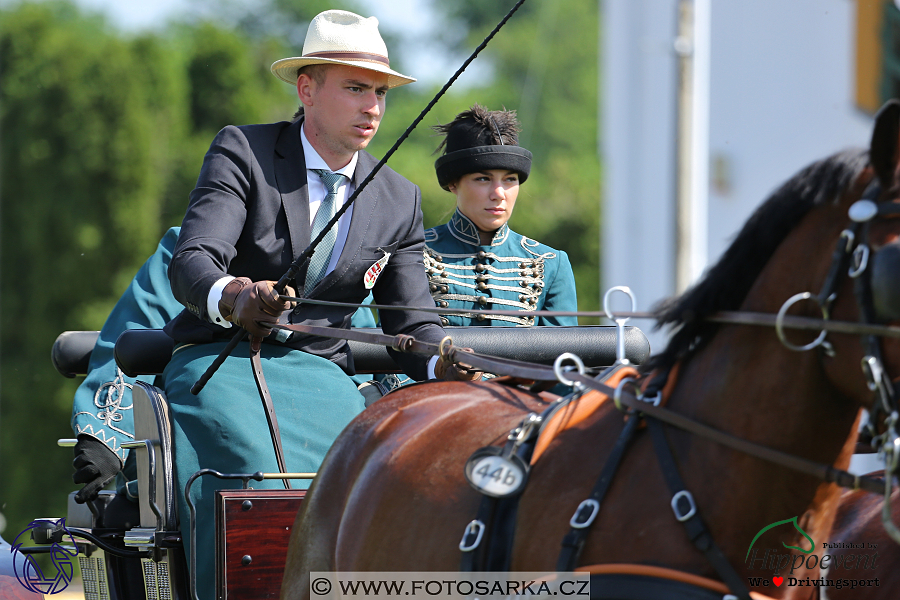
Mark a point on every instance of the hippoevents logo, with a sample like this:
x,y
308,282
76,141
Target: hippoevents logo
x,y
778,563
32,577
793,520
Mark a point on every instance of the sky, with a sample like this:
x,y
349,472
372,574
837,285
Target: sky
x,y
139,15
412,16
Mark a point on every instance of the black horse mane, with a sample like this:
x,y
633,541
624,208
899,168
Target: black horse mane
x,y
726,284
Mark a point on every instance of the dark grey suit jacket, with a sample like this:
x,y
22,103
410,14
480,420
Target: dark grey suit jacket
x,y
249,216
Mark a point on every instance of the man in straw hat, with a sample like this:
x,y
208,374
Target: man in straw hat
x,y
264,192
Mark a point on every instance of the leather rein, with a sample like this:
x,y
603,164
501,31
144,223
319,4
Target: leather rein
x,y
850,256
623,396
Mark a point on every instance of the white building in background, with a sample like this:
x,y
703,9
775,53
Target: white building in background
x,y
778,84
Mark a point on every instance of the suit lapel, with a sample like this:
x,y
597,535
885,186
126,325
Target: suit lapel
x,y
290,175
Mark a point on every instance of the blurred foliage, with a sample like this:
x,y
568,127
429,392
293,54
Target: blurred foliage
x,y
103,134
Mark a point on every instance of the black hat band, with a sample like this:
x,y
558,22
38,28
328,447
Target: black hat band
x,y
453,165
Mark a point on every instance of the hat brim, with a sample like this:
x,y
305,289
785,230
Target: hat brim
x,y
286,69
453,165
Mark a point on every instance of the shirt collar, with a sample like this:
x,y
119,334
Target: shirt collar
x,y
314,161
463,229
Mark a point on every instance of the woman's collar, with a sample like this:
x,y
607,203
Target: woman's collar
x,y
463,229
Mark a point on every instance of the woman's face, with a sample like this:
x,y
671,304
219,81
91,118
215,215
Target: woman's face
x,y
487,197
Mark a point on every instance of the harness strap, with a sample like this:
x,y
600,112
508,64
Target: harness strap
x,y
497,518
487,543
573,542
686,511
266,397
802,465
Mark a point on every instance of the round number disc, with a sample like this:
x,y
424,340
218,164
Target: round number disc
x,y
494,475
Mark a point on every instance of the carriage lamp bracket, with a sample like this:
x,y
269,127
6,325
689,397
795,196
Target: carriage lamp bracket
x,y
559,370
620,322
582,519
476,528
683,516
779,325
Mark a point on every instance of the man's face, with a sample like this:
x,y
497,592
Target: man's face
x,y
343,113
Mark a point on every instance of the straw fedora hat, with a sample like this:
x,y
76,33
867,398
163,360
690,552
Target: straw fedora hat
x,y
341,38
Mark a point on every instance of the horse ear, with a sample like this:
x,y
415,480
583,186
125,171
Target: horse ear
x,y
884,152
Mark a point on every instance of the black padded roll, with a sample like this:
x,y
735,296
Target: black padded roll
x,y
595,345
147,351
71,352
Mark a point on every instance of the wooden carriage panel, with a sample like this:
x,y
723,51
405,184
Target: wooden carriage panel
x,y
253,528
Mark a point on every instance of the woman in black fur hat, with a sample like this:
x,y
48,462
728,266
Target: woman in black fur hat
x,y
475,262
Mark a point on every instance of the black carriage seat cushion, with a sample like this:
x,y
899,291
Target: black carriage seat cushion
x,y
71,352
147,351
143,351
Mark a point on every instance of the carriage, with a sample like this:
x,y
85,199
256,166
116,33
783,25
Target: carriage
x,y
146,559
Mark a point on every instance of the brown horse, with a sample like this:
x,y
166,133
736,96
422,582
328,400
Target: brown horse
x,y
391,494
857,534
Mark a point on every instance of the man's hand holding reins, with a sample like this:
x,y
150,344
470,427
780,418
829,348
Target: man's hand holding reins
x,y
255,306
447,370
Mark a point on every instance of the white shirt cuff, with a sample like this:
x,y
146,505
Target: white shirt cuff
x,y
212,302
431,362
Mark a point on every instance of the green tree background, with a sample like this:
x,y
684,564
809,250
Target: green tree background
x,y
102,135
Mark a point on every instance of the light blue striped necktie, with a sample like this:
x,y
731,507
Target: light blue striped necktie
x,y
327,209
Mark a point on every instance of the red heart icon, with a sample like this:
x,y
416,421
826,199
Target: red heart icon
x,y
777,580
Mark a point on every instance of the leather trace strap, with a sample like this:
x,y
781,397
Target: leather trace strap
x,y
589,509
685,510
487,542
269,409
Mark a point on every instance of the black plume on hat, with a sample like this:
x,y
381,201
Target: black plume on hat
x,y
479,140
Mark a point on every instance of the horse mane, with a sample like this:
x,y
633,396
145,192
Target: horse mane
x,y
725,285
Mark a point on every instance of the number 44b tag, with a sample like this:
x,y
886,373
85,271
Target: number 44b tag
x,y
493,474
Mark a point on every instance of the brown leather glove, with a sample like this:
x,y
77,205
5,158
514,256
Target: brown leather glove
x,y
253,305
448,371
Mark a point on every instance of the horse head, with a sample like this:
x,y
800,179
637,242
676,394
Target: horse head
x,y
870,294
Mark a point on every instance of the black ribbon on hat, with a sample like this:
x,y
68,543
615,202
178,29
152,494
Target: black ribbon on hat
x,y
453,165
308,252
